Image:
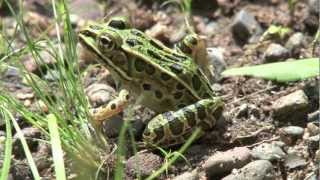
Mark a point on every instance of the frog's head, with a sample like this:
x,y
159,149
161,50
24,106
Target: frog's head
x,y
104,41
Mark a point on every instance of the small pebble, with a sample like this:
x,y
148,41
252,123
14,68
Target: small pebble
x,y
256,170
276,52
216,59
268,151
291,132
245,26
295,42
143,163
294,160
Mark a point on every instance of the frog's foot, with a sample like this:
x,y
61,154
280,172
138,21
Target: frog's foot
x,y
110,109
171,128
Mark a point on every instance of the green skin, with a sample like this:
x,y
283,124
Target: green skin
x,y
167,81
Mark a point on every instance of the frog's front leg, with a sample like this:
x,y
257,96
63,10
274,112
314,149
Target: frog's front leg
x,y
174,127
110,109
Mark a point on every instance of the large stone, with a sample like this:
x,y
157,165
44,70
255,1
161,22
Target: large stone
x,y
223,162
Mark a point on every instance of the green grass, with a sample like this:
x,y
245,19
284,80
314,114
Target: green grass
x,y
67,125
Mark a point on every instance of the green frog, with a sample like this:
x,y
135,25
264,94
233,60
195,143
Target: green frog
x,y
168,81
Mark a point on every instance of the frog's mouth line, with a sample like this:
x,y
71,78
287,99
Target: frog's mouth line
x,y
100,58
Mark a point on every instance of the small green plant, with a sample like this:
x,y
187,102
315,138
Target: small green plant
x,y
276,32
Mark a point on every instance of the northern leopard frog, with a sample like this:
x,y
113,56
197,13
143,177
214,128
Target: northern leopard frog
x,y
165,80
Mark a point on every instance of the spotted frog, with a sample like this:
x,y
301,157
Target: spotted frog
x,y
168,81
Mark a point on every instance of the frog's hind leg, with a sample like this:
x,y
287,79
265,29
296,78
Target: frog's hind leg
x,y
174,127
110,109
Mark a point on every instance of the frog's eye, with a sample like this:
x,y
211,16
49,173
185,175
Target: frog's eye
x,y
106,44
119,23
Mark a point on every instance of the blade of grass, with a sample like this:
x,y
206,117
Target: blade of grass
x,y
8,145
57,152
280,71
26,149
175,157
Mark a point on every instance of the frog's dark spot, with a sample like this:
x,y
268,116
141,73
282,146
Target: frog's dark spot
x,y
156,45
133,42
184,48
217,113
119,59
179,86
173,58
113,106
153,54
205,125
176,68
165,77
139,65
118,24
146,87
196,82
150,69
176,126
127,97
190,116
181,106
158,94
192,40
177,95
206,95
179,56
200,111
95,27
159,134
136,33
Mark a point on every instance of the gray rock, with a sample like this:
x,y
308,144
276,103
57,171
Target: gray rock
x,y
292,107
268,152
99,94
257,170
290,134
313,129
223,162
12,72
294,160
276,52
216,59
193,175
293,130
52,75
143,163
314,6
295,41
245,27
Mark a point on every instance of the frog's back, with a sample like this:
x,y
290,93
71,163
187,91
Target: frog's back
x,y
178,67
